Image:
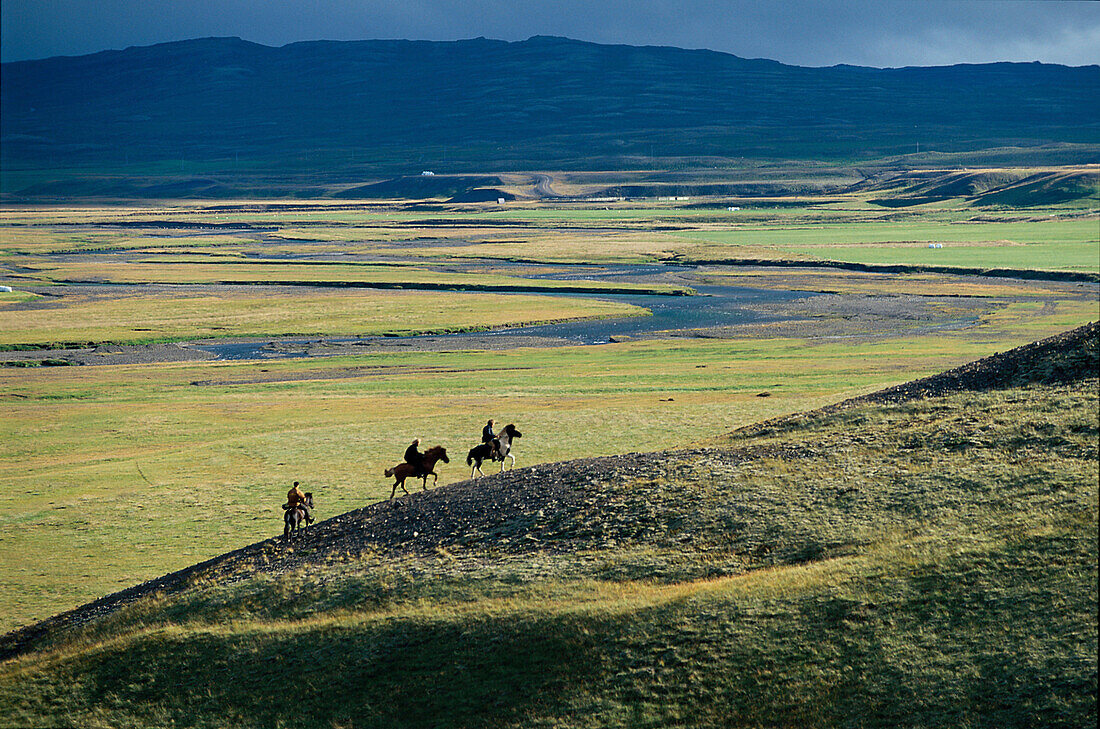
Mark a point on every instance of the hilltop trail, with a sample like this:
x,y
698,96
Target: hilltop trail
x,y
560,507
542,186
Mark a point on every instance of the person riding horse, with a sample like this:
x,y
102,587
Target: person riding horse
x,y
295,498
488,436
414,457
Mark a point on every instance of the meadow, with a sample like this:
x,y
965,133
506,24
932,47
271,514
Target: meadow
x,y
119,473
194,314
925,564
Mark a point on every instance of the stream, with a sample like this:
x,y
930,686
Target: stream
x,y
715,306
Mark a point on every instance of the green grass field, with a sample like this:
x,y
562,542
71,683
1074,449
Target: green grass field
x,y
163,316
108,464
1072,245
842,228
911,555
929,564
111,469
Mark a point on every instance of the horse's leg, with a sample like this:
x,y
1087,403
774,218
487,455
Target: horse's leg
x,y
513,462
394,492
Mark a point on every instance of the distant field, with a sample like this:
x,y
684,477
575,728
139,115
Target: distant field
x,y
196,270
847,229
117,474
1072,245
120,473
137,318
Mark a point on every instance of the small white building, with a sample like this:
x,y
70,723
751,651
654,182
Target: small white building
x,y
427,173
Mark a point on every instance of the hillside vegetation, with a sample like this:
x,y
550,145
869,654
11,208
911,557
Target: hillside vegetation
x,y
888,562
1003,188
222,117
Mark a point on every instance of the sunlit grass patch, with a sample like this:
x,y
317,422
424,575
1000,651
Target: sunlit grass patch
x,y
16,297
147,318
1056,244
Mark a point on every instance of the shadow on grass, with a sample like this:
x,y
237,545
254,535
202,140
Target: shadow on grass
x,y
398,674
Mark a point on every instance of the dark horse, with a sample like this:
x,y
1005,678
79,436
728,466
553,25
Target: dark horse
x,y
294,518
402,471
497,449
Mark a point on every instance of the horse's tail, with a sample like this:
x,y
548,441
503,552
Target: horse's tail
x,y
470,457
389,471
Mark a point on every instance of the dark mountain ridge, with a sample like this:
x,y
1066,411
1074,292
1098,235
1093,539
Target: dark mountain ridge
x,y
342,111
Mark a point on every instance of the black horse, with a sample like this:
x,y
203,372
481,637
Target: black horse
x,y
295,518
497,449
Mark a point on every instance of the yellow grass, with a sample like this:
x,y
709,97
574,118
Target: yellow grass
x,y
224,313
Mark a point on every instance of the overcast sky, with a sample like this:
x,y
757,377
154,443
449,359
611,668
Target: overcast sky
x,y
803,32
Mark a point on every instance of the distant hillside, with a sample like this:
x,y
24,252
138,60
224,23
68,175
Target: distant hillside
x,y
420,186
230,112
1015,188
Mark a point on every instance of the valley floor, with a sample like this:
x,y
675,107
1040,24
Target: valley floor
x,y
889,562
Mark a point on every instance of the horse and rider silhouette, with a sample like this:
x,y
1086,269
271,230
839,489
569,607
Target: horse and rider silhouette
x,y
297,511
417,464
494,447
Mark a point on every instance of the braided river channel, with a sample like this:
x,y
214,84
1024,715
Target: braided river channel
x,y
712,306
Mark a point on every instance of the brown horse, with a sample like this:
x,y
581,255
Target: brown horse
x,y
402,471
293,518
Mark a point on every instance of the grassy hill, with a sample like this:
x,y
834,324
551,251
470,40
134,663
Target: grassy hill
x,y
221,116
923,557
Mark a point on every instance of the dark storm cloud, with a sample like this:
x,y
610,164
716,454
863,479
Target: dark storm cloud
x,y
804,32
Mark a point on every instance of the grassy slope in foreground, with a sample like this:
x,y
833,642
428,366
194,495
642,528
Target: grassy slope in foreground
x,y
921,563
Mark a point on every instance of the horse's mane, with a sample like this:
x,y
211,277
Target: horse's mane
x,y
435,449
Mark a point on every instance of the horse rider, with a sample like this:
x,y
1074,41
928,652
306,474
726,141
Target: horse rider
x,y
414,457
295,498
487,436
